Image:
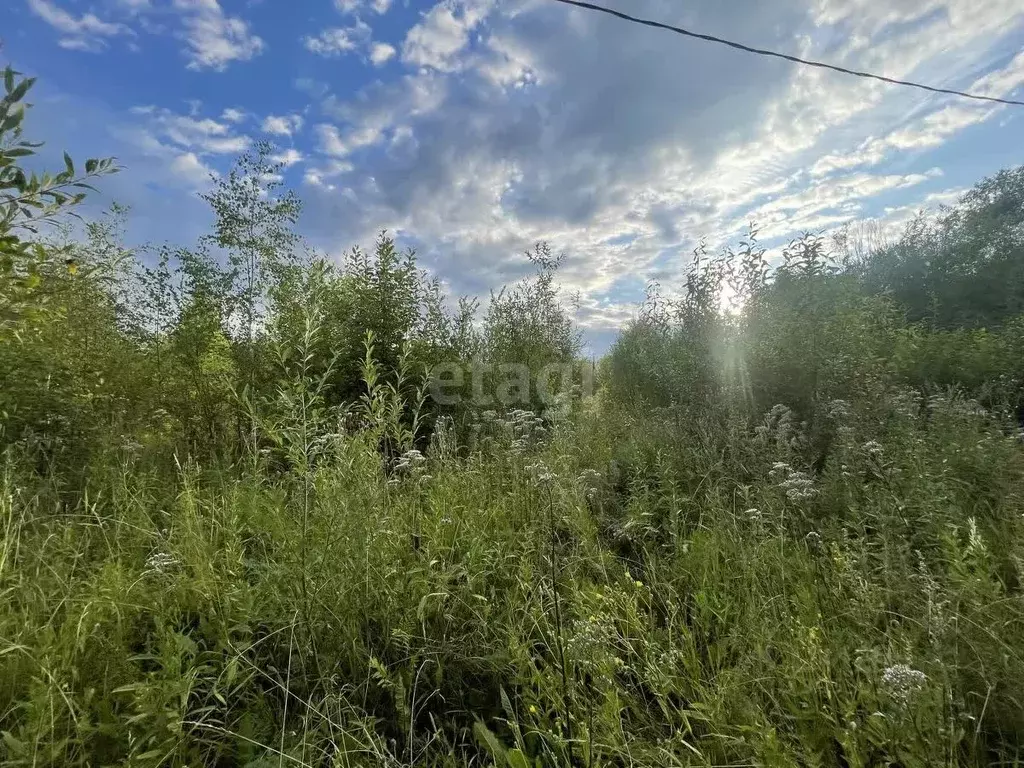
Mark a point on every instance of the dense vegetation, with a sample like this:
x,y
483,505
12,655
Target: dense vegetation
x,y
255,508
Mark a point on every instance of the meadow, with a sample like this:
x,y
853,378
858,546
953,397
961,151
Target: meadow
x,y
240,524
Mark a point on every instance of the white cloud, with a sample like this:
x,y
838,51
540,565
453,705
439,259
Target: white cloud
x,y
85,33
195,134
214,38
354,6
228,145
336,41
288,157
232,115
381,53
190,169
282,125
331,141
443,33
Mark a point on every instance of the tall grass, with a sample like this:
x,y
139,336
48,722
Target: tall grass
x,y
618,593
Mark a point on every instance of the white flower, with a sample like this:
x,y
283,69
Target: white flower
x,y
838,410
872,448
161,562
540,474
798,486
901,682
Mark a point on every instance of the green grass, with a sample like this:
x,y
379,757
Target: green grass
x,y
672,607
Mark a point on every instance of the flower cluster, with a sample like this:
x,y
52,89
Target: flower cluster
x,y
410,461
872,449
525,429
540,474
161,562
956,406
411,464
906,402
591,643
798,485
779,428
590,479
838,410
901,682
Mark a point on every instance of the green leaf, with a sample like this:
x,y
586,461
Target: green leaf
x,y
68,164
21,89
11,121
490,741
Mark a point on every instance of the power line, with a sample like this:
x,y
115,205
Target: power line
x,y
787,57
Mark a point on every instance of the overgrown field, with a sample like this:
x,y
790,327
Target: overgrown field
x,y
258,508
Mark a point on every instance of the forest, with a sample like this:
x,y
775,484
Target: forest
x,y
262,507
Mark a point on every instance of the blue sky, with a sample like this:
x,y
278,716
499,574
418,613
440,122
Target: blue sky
x,y
473,128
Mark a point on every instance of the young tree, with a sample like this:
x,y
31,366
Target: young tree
x,y
27,202
253,226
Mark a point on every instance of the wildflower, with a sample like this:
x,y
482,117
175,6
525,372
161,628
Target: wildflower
x,y
590,643
590,480
798,486
161,562
540,474
872,448
753,513
901,682
639,584
131,446
533,710
411,462
838,410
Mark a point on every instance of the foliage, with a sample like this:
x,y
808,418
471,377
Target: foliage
x,y
964,267
27,202
237,529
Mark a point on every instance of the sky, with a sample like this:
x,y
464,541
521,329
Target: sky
x,y
471,129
